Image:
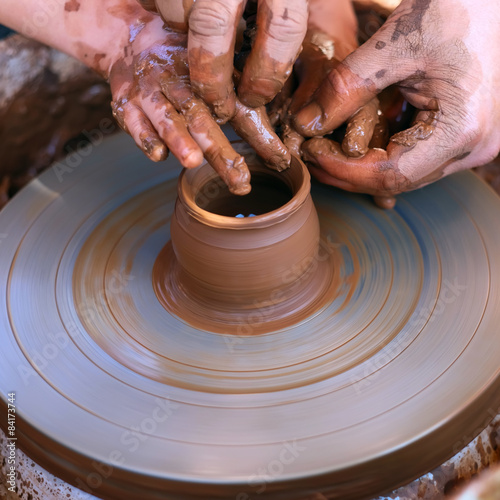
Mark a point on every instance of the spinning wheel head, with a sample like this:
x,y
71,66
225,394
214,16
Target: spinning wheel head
x,y
356,394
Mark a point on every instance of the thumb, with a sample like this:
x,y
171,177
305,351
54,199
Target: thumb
x,y
353,83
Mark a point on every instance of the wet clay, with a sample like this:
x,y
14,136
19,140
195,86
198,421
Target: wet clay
x,y
380,136
421,131
360,129
207,70
292,140
212,73
221,272
252,125
135,83
167,63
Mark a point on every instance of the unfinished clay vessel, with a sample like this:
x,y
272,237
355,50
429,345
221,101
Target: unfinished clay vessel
x,y
243,264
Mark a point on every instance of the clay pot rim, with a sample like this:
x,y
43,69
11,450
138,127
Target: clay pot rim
x,y
297,167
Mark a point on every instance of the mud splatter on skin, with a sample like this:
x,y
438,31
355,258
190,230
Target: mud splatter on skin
x,y
133,15
412,21
207,70
376,173
445,76
263,76
72,6
320,55
252,125
380,45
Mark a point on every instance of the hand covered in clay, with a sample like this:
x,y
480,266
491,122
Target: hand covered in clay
x,y
331,36
149,76
439,53
154,102
212,26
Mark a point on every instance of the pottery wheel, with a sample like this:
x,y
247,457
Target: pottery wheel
x,y
121,398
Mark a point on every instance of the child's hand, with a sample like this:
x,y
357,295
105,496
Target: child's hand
x,y
154,102
148,72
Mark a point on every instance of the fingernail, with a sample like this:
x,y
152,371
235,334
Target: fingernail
x,y
309,120
239,177
385,202
351,147
192,159
154,148
278,162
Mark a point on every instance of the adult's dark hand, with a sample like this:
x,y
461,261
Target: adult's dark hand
x,y
443,55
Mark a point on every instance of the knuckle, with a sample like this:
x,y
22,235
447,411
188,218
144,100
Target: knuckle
x,y
339,83
392,181
209,19
199,118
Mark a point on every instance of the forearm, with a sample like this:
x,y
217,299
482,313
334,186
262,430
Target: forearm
x,y
93,31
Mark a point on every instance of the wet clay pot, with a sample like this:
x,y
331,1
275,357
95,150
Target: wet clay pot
x,y
243,264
